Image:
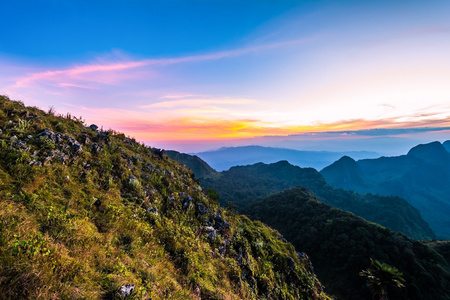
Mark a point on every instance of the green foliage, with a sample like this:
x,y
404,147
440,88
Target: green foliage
x,y
340,245
83,213
381,275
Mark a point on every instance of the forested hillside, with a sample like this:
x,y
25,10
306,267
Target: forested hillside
x,y
341,244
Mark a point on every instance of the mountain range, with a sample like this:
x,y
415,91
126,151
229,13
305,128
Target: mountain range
x,y
246,185
422,177
227,157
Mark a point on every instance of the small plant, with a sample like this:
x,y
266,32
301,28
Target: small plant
x,y
380,276
23,125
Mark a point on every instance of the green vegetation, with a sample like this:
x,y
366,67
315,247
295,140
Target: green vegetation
x,y
341,244
196,164
88,214
381,275
245,185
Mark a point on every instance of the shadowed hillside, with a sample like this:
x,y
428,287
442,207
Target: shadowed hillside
x,y
341,244
422,177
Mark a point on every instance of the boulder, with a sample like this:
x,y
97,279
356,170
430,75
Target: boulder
x,y
93,127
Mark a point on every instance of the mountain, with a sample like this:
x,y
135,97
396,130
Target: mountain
x,y
422,177
198,166
89,214
227,157
341,244
245,185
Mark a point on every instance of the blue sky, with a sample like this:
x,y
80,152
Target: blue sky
x,y
209,73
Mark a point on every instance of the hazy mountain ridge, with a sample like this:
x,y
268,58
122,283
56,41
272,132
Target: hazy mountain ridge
x,y
89,214
422,177
245,185
340,245
227,157
198,166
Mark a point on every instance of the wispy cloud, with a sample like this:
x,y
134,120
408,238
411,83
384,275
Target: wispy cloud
x,y
96,72
198,102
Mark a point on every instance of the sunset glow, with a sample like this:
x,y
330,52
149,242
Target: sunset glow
x,y
266,69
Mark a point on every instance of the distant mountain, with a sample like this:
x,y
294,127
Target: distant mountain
x,y
341,244
228,157
193,162
422,177
246,185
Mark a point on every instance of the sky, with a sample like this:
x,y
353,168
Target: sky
x,y
196,75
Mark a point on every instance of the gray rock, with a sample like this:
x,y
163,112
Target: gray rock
x,y
103,134
96,148
93,127
201,209
84,139
47,133
187,202
126,290
152,210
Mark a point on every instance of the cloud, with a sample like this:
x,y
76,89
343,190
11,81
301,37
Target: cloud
x,y
113,72
197,102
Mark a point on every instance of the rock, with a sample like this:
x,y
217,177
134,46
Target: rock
x,y
126,290
152,210
103,134
168,172
14,138
93,127
220,224
281,238
84,139
96,148
47,133
28,136
201,209
212,235
187,202
74,145
1,132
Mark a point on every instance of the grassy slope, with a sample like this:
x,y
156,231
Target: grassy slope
x,y
78,221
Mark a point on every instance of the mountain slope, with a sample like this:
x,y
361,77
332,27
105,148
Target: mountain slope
x,y
199,167
422,177
341,245
227,157
246,185
88,214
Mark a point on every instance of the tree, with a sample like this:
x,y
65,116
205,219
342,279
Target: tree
x,y
380,276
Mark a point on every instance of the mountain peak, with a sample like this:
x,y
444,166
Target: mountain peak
x,y
433,152
446,145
